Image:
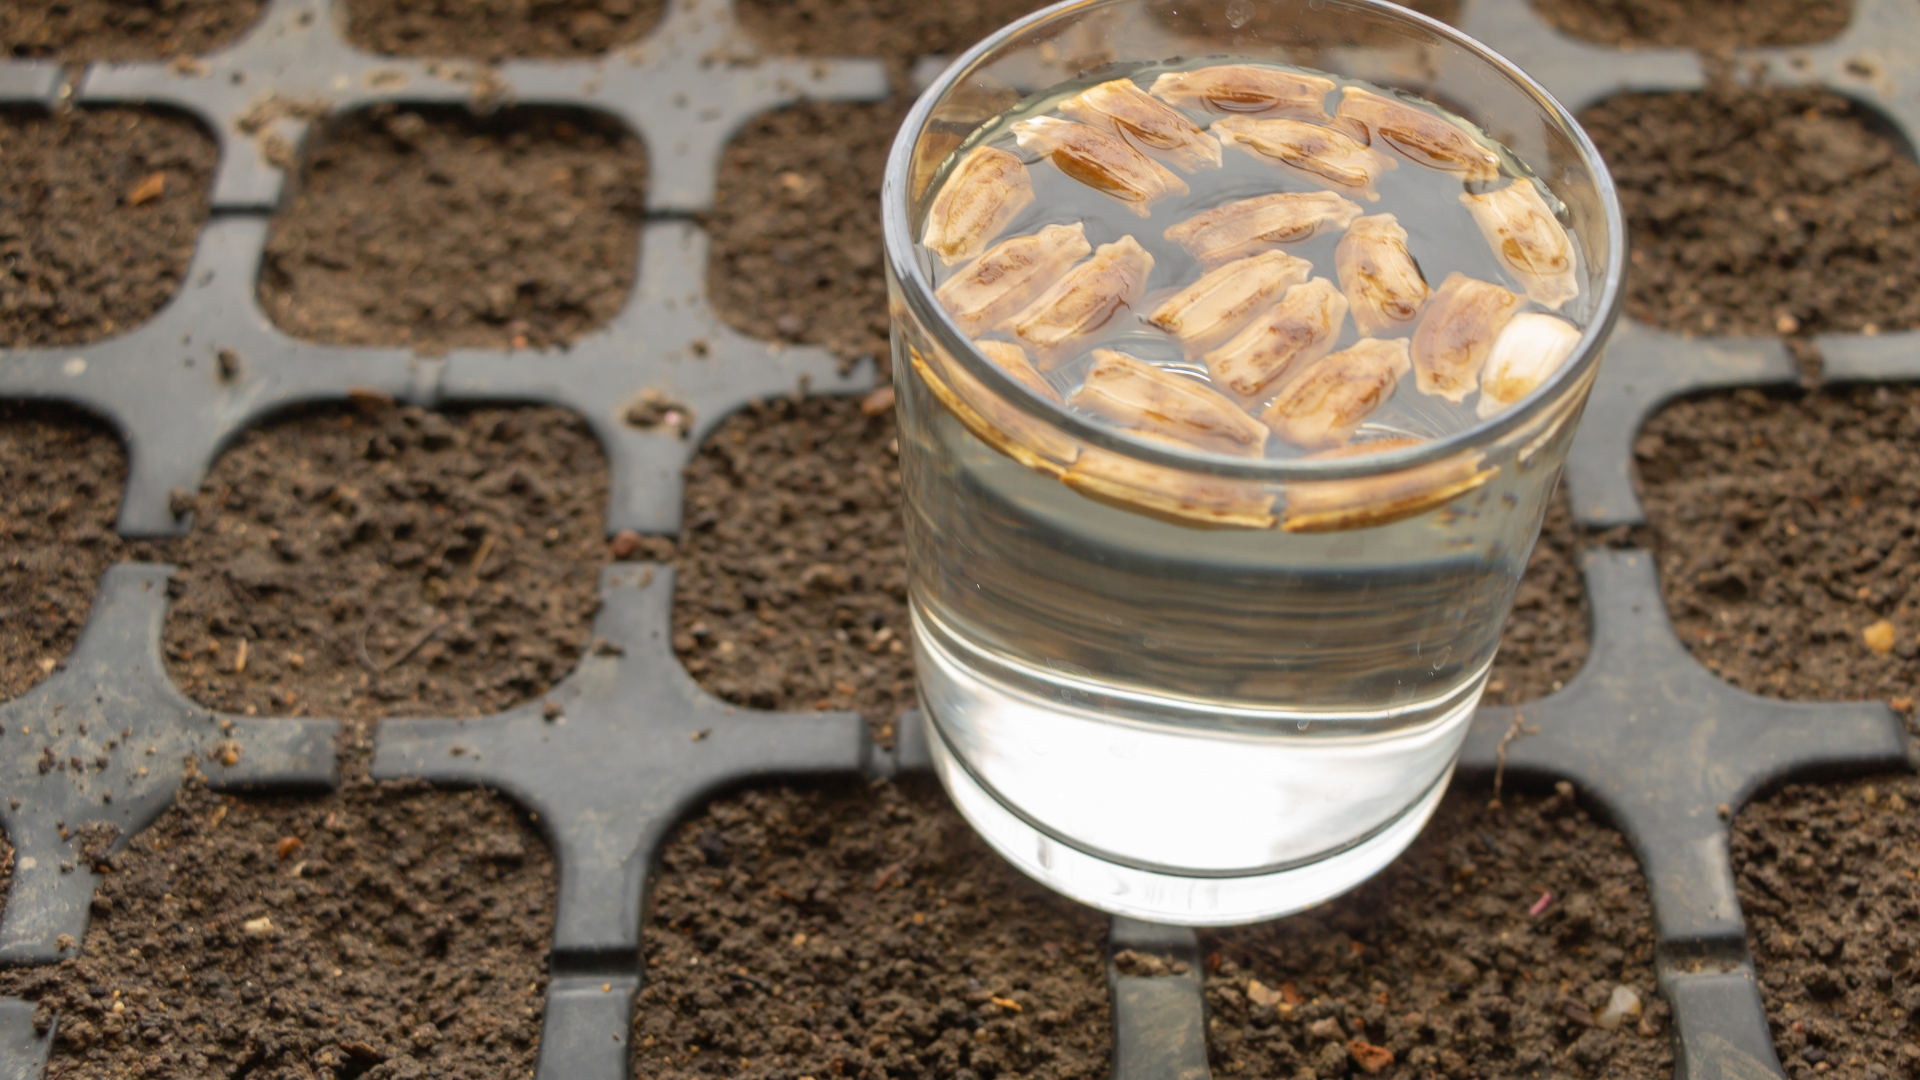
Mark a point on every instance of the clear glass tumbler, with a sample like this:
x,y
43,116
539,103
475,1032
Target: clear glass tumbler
x,y
1182,686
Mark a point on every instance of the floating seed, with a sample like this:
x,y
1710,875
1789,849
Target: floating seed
x,y
1014,361
1262,223
1172,495
1150,125
1421,136
1103,162
1528,240
1457,335
984,193
1379,277
1220,304
1528,351
1323,405
1364,502
1011,275
1246,90
1298,330
1319,154
1091,294
1154,400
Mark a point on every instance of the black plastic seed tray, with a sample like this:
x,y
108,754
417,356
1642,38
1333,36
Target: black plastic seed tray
x,y
625,745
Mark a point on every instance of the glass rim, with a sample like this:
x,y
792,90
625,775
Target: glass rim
x,y
918,291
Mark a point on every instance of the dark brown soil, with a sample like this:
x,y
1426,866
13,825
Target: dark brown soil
x,y
1439,962
1763,212
439,229
497,29
406,936
86,30
391,561
1707,25
863,932
60,482
796,227
897,30
1785,527
91,243
1827,884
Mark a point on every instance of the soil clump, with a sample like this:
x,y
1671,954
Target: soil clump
x,y
438,229
862,931
100,210
1489,949
497,29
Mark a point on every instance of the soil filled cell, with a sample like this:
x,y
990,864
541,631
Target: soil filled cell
x,y
1785,531
1780,211
390,561
1826,882
862,931
1708,25
60,482
897,30
497,29
87,30
99,213
387,930
1489,949
438,229
796,228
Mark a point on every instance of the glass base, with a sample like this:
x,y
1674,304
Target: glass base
x,y
1164,897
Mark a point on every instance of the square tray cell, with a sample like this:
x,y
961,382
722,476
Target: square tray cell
x,y
792,582
99,210
796,227
1774,211
389,561
1708,25
386,930
87,30
862,931
60,481
497,29
437,229
1826,879
1787,541
1489,949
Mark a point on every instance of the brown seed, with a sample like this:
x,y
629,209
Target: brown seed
x,y
1324,404
1297,331
1150,125
1247,90
1262,223
1379,277
1457,334
1424,137
1319,155
287,846
985,191
1080,304
1009,277
1528,240
1228,297
1151,399
1103,162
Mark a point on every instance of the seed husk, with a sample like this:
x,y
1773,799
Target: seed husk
x,y
1100,160
1320,155
1298,330
1151,125
1011,275
1457,334
1225,299
1323,405
1528,240
1262,223
1381,281
1423,137
1084,301
1151,399
982,196
1527,353
1247,90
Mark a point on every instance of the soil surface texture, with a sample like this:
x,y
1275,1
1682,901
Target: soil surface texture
x,y
1762,212
391,561
497,29
86,30
384,931
1826,879
897,30
1788,545
60,482
99,213
437,229
1713,26
862,931
1489,949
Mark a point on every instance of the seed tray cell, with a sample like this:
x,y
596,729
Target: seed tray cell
x,y
494,31
628,744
